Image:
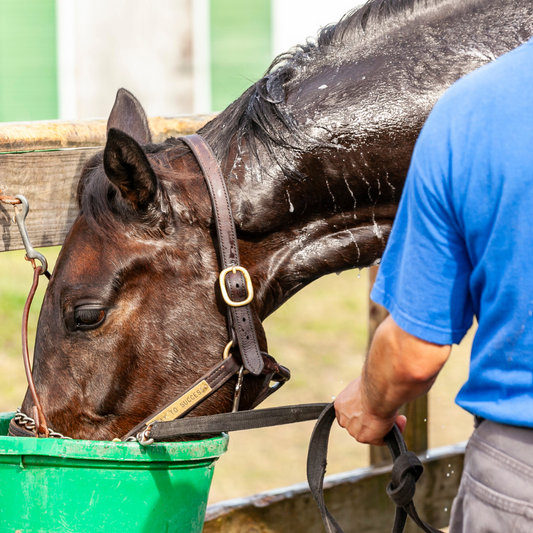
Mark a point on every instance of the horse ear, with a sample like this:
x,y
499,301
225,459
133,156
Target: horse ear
x,y
128,116
128,168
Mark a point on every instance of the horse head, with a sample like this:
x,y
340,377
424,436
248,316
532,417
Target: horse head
x,y
314,157
133,313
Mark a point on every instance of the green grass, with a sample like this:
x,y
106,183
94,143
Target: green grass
x,y
320,334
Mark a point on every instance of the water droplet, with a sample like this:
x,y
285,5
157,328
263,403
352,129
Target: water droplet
x,y
291,207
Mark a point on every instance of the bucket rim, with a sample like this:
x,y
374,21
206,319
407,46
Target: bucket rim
x,y
111,451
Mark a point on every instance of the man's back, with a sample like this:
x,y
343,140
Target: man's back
x,y
460,246
464,234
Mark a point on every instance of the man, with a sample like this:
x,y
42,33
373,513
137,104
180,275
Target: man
x,y
462,245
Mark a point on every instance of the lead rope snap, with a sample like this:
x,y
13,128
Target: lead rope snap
x,y
238,390
20,219
40,423
144,437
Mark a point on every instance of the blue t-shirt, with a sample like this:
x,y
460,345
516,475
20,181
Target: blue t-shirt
x,y
462,241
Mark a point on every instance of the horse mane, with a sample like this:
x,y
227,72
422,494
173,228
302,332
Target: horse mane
x,y
260,116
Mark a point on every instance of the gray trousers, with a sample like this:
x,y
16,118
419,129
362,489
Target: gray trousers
x,y
496,491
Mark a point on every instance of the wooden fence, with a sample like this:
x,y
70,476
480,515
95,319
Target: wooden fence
x,y
43,161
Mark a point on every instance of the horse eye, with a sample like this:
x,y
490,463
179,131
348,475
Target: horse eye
x,y
88,317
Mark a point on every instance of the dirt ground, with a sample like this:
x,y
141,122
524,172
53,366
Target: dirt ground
x,y
320,335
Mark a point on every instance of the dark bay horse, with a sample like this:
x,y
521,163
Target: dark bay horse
x,y
314,156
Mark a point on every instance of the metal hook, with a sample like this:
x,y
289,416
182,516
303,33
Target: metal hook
x,y
20,219
144,437
238,390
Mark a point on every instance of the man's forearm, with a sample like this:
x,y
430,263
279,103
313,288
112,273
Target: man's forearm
x,y
398,369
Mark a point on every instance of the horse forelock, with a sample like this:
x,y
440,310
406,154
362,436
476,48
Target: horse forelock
x,y
104,210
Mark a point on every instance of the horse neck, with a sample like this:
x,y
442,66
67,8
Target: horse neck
x,y
330,205
324,217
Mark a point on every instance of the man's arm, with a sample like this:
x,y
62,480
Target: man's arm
x,y
399,368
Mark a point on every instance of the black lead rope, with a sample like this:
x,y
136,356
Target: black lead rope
x,y
238,421
406,469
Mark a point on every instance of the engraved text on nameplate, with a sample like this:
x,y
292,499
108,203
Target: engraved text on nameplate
x,y
190,398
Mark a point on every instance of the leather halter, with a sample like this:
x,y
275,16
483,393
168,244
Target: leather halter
x,y
237,290
240,321
236,287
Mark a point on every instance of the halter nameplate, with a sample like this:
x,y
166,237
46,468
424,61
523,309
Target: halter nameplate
x,y
194,395
183,403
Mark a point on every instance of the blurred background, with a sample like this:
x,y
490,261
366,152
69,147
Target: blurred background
x,y
65,59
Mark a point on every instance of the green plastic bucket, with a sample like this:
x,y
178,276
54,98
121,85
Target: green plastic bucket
x,y
59,485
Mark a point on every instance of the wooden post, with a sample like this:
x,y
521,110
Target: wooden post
x,y
416,434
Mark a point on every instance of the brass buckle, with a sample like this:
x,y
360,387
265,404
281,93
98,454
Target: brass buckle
x,y
225,354
249,286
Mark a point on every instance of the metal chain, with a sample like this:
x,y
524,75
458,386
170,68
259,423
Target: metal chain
x,y
29,423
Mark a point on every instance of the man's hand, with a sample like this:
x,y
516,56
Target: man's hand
x,y
353,414
398,369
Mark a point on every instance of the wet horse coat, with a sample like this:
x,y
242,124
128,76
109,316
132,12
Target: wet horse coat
x,y
314,155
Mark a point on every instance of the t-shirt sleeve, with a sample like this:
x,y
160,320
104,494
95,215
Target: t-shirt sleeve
x,y
425,271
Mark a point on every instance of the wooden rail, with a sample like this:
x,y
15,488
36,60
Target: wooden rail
x,y
43,161
357,499
57,134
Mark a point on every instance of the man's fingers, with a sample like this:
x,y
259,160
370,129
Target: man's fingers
x,y
401,422
361,424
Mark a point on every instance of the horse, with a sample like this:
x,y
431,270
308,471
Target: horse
x,y
314,156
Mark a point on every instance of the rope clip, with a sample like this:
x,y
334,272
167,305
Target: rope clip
x,y
31,253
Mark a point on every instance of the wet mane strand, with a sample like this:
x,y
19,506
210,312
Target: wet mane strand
x,y
260,116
